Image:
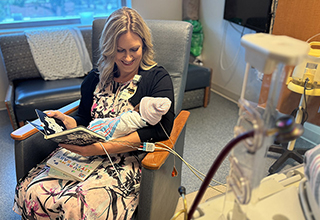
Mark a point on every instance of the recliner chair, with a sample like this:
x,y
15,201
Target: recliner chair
x,y
158,190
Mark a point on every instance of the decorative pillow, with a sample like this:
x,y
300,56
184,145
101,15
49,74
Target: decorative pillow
x,y
59,53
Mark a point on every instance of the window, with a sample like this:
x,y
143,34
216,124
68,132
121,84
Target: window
x,y
35,13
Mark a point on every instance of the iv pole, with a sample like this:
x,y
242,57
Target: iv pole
x,y
298,86
289,151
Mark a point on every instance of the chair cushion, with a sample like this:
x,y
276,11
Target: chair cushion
x,y
44,95
17,57
198,77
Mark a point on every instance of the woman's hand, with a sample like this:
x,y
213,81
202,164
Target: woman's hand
x,y
68,121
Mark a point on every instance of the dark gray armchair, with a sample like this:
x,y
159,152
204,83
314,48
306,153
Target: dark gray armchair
x,y
158,189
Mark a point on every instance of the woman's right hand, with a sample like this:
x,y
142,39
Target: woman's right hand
x,y
68,121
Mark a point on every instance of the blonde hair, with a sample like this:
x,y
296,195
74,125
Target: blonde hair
x,y
120,22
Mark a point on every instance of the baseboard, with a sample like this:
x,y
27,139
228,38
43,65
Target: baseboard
x,y
225,93
2,106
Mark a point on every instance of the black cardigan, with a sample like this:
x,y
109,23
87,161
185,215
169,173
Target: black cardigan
x,y
155,82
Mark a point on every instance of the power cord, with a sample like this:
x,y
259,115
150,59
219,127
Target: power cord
x,y
312,37
150,147
188,165
174,171
193,170
233,62
128,191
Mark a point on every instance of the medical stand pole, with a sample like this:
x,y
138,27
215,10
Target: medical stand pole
x,y
299,118
289,151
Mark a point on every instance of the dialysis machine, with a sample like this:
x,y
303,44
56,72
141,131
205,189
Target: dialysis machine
x,y
281,196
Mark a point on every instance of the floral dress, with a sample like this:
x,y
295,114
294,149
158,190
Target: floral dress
x,y
102,195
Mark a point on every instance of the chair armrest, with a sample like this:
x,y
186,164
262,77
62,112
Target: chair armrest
x,y
154,160
157,183
28,130
9,105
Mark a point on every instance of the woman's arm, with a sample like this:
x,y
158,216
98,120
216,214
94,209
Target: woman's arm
x,y
120,145
156,83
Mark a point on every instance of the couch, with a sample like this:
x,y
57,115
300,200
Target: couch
x,y
27,90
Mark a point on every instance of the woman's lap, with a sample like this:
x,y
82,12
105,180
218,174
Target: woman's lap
x,y
101,196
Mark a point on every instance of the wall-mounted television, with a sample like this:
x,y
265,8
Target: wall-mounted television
x,y
253,14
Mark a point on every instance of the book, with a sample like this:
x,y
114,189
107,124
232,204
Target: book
x,y
54,129
59,175
65,163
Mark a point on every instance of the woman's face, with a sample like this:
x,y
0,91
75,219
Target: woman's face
x,y
129,54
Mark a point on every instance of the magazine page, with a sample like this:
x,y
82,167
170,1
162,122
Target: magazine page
x,y
50,125
80,136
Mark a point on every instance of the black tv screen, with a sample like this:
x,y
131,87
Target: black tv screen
x,y
252,14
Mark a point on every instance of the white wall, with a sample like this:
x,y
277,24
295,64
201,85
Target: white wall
x,y
219,33
159,9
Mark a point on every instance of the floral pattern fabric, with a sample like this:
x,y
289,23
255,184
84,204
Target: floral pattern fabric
x,y
103,195
112,100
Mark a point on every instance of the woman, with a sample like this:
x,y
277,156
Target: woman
x,y
126,73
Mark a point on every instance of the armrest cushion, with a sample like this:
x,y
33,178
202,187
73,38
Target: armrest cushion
x,y
198,77
154,160
28,130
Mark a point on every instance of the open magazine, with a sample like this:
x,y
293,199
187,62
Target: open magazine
x,y
54,129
